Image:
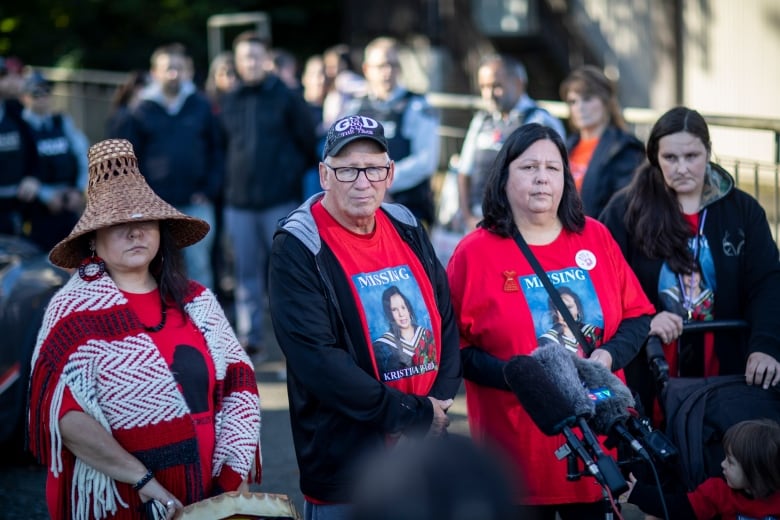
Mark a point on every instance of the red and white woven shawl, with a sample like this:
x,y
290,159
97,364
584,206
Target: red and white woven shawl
x,y
92,343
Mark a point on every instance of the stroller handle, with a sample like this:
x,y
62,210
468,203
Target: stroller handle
x,y
655,350
709,326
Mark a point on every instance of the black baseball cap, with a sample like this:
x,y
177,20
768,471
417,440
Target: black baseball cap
x,y
352,128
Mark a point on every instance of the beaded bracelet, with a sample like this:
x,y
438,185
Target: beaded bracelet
x,y
144,480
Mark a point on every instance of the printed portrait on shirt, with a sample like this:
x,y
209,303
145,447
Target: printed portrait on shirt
x,y
690,295
399,324
579,296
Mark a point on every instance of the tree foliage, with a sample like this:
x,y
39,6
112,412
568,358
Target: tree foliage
x,y
121,34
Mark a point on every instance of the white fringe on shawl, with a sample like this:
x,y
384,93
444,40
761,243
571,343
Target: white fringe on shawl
x,y
237,424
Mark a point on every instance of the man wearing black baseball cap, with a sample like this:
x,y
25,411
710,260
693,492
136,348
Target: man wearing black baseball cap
x,y
348,129
361,309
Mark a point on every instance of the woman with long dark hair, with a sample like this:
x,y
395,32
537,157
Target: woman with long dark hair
x,y
502,308
681,214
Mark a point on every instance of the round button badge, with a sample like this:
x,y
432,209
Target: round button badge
x,y
585,259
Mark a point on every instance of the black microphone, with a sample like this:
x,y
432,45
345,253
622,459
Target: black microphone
x,y
543,401
654,349
657,443
546,405
612,399
558,363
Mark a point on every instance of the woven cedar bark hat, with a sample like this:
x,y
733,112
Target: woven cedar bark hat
x,y
117,193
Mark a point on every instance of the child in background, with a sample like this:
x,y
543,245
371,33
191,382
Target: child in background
x,y
750,488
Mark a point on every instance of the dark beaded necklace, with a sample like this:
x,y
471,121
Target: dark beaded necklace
x,y
159,326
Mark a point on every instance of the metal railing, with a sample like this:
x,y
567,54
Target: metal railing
x,y
760,179
86,95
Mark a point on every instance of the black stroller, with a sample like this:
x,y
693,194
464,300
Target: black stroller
x,y
698,410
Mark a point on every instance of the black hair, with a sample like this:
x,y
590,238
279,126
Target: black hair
x,y
653,215
386,296
565,291
167,267
755,445
496,210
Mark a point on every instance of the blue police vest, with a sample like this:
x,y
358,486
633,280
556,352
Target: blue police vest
x,y
57,162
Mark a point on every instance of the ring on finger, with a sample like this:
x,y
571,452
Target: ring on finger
x,y
169,503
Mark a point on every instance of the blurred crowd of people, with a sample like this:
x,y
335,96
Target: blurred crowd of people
x,y
43,160
201,153
249,153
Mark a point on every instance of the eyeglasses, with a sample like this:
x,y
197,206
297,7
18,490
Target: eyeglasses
x,y
385,64
351,173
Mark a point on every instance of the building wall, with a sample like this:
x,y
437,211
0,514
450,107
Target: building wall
x,y
634,41
732,68
723,60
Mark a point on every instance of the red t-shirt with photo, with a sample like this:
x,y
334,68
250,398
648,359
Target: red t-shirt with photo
x,y
395,299
503,308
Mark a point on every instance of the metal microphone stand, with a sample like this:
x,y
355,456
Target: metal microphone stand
x,y
573,473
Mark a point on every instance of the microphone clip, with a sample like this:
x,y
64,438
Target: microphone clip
x,y
563,452
573,471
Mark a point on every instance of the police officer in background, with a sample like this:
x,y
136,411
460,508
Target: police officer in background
x,y
62,166
18,159
502,84
411,127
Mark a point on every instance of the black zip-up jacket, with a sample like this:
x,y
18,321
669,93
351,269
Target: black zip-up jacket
x,y
611,168
179,154
747,269
339,410
270,144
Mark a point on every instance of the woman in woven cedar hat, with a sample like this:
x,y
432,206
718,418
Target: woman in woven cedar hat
x,y
142,399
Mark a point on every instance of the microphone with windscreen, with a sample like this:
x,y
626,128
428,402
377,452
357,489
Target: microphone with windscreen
x,y
559,365
547,406
612,400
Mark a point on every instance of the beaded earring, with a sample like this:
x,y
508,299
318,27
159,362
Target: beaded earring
x,y
92,267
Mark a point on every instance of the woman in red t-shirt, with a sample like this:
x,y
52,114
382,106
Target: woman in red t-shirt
x,y
503,309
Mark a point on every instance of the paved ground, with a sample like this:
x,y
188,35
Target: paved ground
x,y
22,493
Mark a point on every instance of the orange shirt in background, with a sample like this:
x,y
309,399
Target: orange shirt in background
x,y
580,157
